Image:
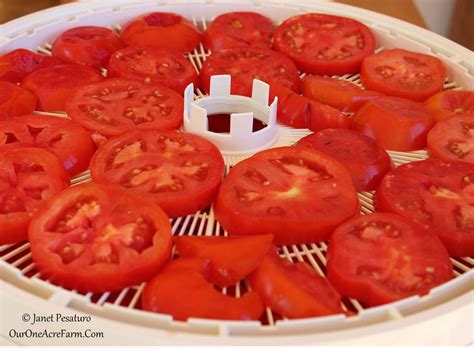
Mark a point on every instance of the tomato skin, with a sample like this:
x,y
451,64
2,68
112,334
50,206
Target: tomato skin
x,y
161,30
319,51
55,85
294,290
87,45
15,101
404,74
110,256
395,123
380,258
239,29
187,279
450,103
231,258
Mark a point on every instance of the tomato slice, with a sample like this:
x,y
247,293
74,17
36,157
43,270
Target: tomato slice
x,y
297,194
181,172
28,178
66,139
294,290
450,103
88,45
366,161
232,258
56,84
342,95
404,74
116,106
153,65
17,64
438,195
239,29
380,258
395,123
323,44
15,101
98,238
162,30
182,290
247,63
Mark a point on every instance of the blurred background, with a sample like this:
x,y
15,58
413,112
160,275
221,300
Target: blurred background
x,y
453,19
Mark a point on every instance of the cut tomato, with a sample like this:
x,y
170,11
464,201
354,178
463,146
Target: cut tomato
x,y
450,103
97,238
15,101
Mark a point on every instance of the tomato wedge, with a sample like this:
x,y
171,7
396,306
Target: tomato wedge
x,y
28,178
294,290
98,238
297,194
15,101
182,290
436,194
380,258
181,172
450,103
232,258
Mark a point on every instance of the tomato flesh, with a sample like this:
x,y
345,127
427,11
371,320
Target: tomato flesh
x,y
15,101
450,103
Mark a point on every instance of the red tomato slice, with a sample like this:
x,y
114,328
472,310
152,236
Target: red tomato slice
x,y
294,290
380,258
56,84
438,195
450,103
181,172
15,101
366,161
97,238
403,74
162,30
239,29
116,106
232,258
17,64
324,45
395,123
153,65
342,95
297,194
28,178
453,138
90,46
71,143
248,63
182,290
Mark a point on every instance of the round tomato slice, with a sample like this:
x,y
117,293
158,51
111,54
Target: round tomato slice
x,y
404,74
56,84
99,238
450,103
239,29
438,195
232,258
366,161
162,30
115,106
90,46
395,123
380,258
342,95
294,290
182,290
323,44
248,63
28,178
297,194
15,101
181,172
71,143
153,65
